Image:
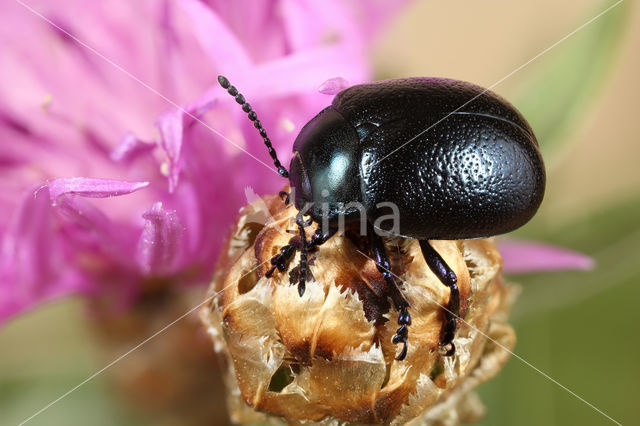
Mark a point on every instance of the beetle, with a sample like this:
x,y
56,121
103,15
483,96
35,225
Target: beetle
x,y
457,160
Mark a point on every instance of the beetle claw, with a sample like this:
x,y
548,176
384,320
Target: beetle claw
x,y
403,353
270,272
448,352
402,333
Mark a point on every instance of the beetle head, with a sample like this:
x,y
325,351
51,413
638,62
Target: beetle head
x,y
324,167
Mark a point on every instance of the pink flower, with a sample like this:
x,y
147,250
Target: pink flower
x,y
521,257
109,178
107,183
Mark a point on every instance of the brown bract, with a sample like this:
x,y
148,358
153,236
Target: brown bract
x,y
327,356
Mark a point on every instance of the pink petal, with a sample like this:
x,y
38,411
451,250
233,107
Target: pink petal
x,y
199,110
333,86
87,228
522,257
33,263
295,74
90,187
277,52
160,245
170,128
301,72
302,32
216,38
130,147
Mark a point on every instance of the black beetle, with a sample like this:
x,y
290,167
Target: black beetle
x,y
456,160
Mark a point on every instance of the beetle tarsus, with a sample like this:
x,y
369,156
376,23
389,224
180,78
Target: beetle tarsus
x,y
451,350
401,304
402,333
446,275
279,261
302,281
403,352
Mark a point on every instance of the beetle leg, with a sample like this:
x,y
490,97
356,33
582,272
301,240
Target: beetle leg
x,y
279,261
303,253
401,304
317,239
446,275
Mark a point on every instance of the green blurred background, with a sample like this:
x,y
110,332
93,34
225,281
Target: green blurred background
x,y
581,98
580,328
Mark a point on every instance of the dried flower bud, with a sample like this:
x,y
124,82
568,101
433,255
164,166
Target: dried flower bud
x,y
328,356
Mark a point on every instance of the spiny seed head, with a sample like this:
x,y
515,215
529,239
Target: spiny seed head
x,y
328,356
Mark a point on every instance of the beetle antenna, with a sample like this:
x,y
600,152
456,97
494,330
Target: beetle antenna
x,y
246,107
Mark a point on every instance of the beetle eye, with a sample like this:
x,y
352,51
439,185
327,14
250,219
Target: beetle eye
x,y
299,181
